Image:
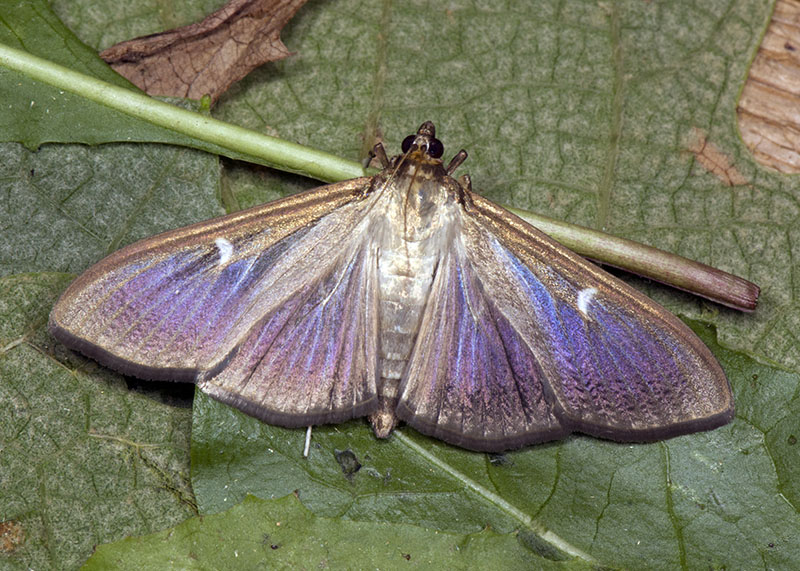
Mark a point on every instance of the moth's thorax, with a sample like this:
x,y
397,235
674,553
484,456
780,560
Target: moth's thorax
x,y
420,192
419,222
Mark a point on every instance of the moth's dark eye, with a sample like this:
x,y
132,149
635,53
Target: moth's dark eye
x,y
407,143
435,148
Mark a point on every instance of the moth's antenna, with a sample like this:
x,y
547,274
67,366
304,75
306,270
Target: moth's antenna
x,y
460,157
307,447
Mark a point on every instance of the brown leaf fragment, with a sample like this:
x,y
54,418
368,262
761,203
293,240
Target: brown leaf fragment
x,y
768,118
714,160
208,56
12,536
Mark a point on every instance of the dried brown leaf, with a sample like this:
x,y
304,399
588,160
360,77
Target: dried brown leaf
x,y
208,56
767,112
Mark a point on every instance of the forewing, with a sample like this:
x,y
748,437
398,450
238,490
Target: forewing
x,y
593,354
177,305
313,359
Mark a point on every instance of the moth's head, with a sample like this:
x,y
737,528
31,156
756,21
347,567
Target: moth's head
x,y
424,145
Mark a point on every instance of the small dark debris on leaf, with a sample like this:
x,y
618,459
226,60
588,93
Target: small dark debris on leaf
x,y
266,540
348,462
792,440
499,460
407,556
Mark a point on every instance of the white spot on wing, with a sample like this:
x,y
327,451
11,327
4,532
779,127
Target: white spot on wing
x,y
225,249
585,298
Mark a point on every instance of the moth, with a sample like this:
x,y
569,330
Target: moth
x,y
401,296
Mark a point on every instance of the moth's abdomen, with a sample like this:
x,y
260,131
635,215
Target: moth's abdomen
x,y
405,275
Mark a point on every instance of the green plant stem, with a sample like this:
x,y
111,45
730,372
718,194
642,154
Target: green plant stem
x,y
524,519
267,150
646,261
665,267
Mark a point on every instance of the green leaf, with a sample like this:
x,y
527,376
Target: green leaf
x,y
259,534
579,110
709,498
67,206
83,459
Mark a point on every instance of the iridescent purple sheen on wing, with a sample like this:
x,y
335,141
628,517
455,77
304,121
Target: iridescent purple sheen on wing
x,y
472,380
628,374
610,369
314,359
176,305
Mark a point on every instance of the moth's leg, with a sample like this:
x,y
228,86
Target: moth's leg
x,y
460,157
379,152
465,192
365,190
